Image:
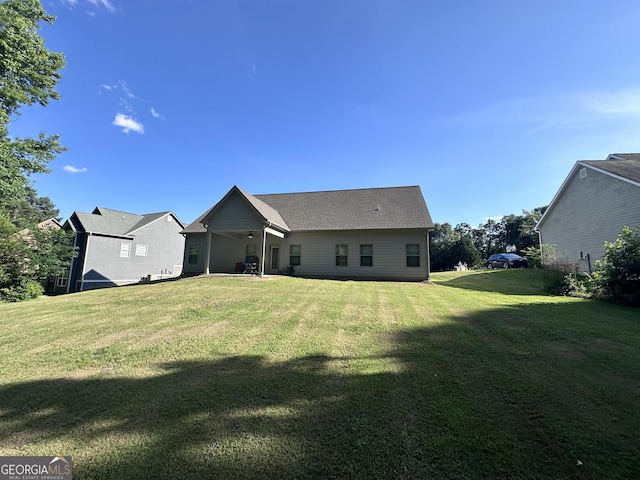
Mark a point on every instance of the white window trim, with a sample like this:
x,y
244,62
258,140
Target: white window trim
x,y
125,250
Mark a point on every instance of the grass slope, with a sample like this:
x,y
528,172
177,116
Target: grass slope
x,y
478,375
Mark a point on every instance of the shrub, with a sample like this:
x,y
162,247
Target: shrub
x,y
618,277
21,290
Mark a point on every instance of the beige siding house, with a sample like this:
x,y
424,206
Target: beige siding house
x,y
596,200
375,233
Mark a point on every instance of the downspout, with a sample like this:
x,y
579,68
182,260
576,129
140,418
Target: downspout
x,y
428,259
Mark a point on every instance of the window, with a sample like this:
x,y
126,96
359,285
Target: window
x,y
341,255
194,250
413,255
250,253
366,255
61,282
141,250
294,255
125,250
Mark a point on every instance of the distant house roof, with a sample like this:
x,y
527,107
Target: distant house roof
x,y
49,224
358,209
623,166
106,221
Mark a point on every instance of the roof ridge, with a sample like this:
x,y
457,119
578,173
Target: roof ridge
x,y
337,190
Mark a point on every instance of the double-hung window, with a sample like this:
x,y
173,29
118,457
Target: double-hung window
x,y
194,250
294,255
341,255
125,250
142,250
250,253
366,255
413,255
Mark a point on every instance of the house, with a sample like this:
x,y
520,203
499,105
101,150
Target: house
x,y
595,201
120,248
373,233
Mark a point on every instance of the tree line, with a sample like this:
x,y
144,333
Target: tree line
x,y
29,73
473,245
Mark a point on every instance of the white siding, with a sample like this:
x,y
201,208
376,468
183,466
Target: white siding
x,y
590,211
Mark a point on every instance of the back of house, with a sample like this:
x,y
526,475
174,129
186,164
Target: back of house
x,y
374,233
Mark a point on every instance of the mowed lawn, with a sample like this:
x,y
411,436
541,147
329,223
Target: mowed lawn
x,y
477,375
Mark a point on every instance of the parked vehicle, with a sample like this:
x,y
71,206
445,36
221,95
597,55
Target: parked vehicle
x,y
507,260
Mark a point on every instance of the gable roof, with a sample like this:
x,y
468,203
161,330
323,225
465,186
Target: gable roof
x,y
117,223
369,208
268,213
622,166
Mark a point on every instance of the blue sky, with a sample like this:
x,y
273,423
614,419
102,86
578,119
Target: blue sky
x,y
166,104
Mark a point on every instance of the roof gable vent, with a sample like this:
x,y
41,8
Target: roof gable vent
x,y
583,172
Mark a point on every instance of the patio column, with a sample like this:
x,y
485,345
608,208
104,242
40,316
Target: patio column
x,y
207,259
264,249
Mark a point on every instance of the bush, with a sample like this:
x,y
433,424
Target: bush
x,y
617,278
22,290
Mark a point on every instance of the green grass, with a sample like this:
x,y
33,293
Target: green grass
x,y
478,375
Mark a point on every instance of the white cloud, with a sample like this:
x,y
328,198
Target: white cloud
x,y
105,3
154,113
574,111
127,123
72,169
96,3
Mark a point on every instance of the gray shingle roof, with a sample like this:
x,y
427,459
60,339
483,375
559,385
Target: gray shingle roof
x,y
370,208
114,222
626,165
359,209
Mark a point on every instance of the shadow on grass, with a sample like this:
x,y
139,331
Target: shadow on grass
x,y
494,395
523,281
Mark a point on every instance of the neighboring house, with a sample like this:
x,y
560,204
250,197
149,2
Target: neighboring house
x,y
49,224
596,200
120,248
374,233
48,284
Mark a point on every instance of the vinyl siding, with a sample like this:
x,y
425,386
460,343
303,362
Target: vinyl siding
x,y
104,266
318,253
590,211
235,214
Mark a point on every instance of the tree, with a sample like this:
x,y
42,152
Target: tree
x,y
29,74
32,210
